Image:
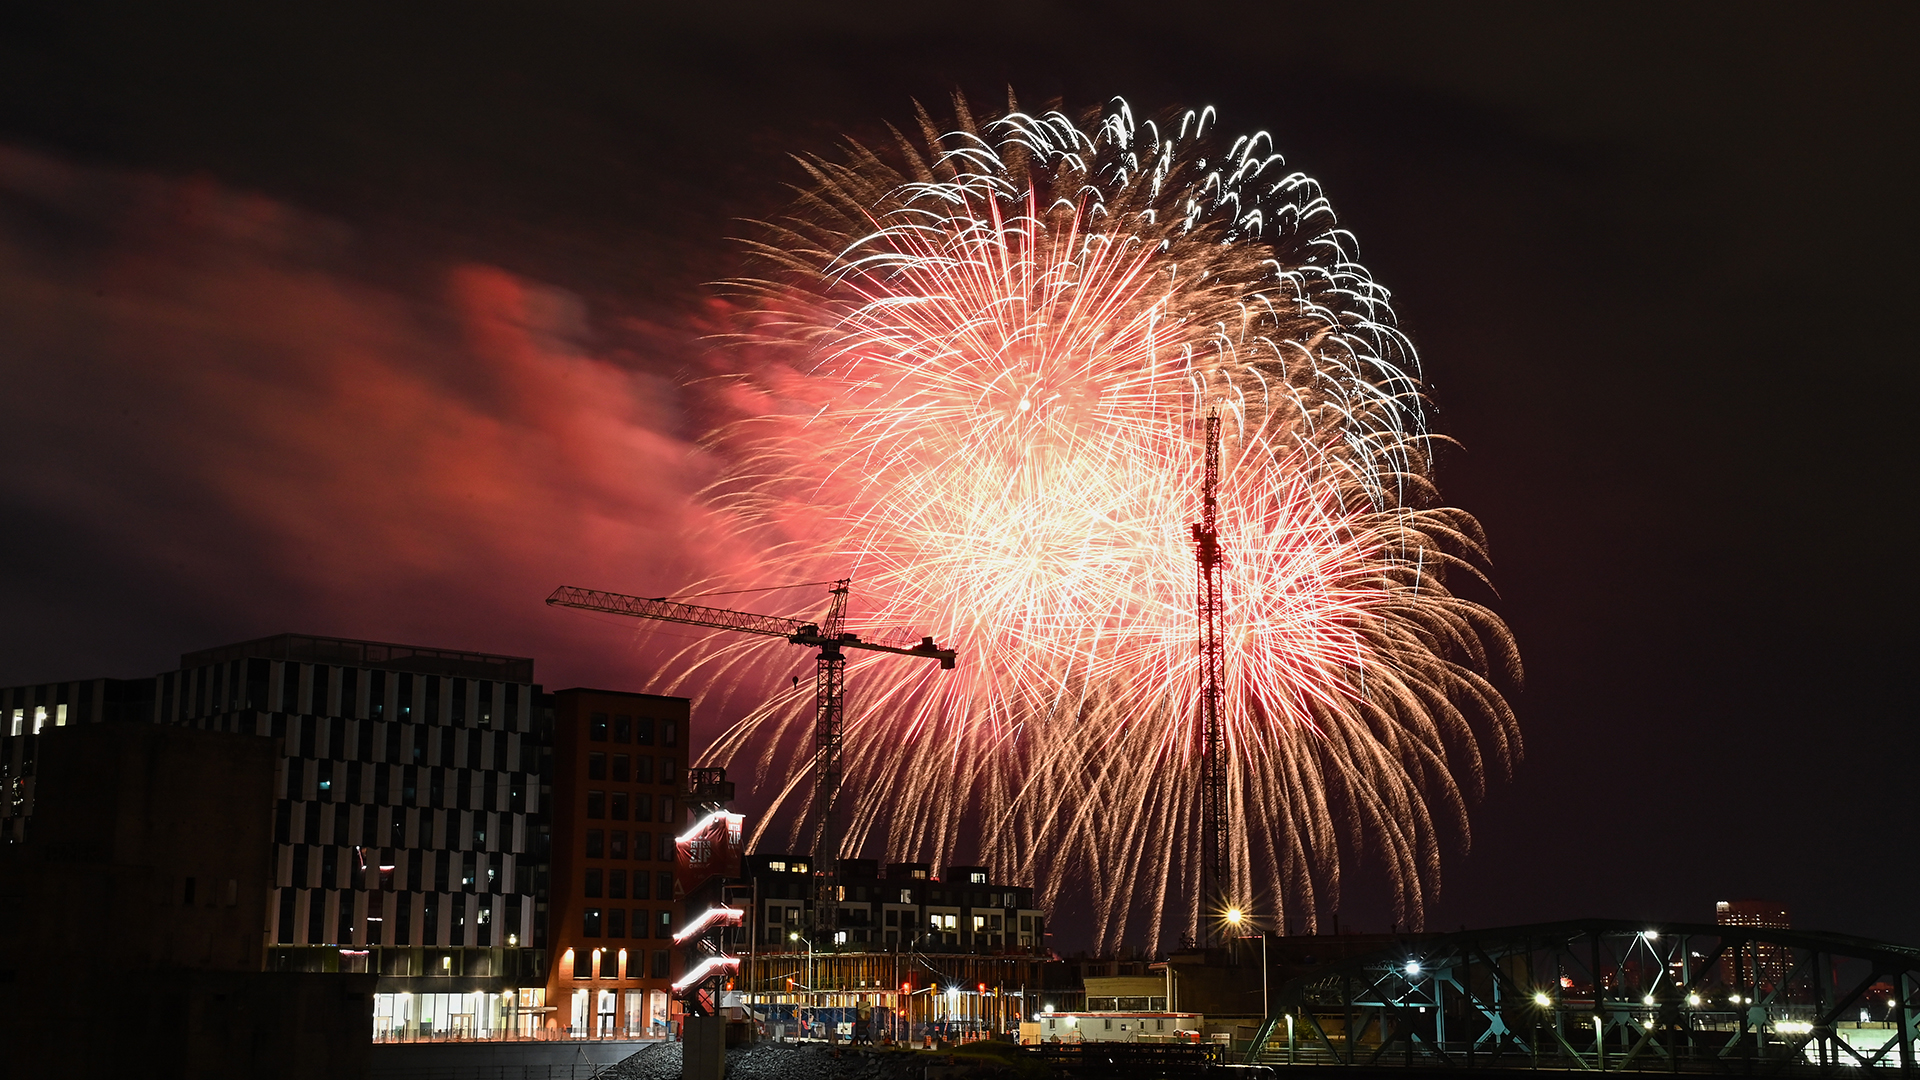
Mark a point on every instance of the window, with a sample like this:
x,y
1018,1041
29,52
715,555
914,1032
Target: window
x,y
643,769
666,847
593,882
595,841
643,731
667,770
640,893
582,965
617,844
977,877
778,866
666,809
469,870
597,727
590,922
660,962
19,719
664,891
642,806
643,845
617,884
919,875
617,922
596,766
906,896
621,771
596,804
622,728
619,806
610,965
669,733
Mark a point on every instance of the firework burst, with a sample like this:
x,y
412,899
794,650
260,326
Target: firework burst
x,y
977,365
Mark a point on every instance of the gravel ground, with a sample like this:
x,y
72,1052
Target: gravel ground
x,y
811,1061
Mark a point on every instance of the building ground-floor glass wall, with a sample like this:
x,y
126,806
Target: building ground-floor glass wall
x,y
509,1014
618,1014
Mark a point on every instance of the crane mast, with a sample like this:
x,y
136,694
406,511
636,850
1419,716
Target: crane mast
x,y
1215,870
829,692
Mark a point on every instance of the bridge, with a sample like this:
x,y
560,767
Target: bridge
x,y
1604,995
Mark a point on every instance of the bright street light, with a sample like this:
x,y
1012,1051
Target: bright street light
x,y
1541,999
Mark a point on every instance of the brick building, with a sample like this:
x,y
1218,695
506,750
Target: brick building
x,y
619,765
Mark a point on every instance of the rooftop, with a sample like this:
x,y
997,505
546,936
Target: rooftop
x,y
384,655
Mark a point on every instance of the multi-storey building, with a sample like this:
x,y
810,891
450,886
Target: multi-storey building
x,y
1768,964
909,907
134,895
619,763
408,818
954,949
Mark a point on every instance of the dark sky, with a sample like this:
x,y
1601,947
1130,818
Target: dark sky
x,y
370,322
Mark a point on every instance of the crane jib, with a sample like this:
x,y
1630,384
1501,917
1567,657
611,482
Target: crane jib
x,y
794,630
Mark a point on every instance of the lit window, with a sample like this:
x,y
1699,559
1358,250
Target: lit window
x,y
39,718
59,716
778,866
799,868
977,878
906,896
19,718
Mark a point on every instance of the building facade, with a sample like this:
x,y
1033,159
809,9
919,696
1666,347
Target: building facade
x,y
1771,963
948,952
619,768
408,826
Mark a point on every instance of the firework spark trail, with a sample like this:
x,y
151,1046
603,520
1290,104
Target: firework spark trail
x,y
976,368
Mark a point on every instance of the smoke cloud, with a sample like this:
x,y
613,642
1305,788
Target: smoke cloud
x,y
225,417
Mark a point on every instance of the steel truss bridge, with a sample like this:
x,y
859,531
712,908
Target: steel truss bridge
x,y
1607,996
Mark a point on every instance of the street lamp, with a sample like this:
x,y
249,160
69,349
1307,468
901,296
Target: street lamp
x,y
795,936
1234,918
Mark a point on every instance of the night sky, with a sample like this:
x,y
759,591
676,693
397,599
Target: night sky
x,y
373,323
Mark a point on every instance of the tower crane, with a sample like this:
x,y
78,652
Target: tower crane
x,y
1215,882
829,686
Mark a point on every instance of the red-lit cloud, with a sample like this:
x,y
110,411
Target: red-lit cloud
x,y
232,410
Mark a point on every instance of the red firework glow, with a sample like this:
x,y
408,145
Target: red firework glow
x,y
990,357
